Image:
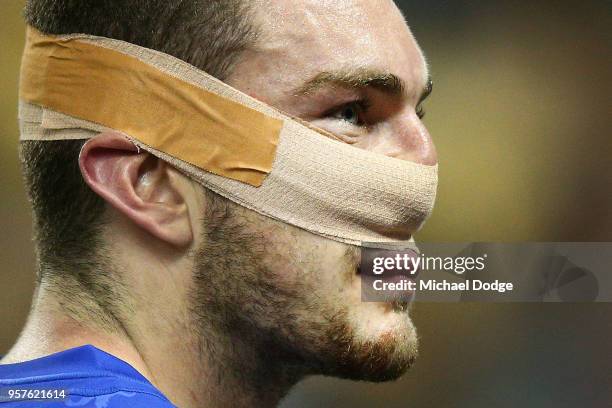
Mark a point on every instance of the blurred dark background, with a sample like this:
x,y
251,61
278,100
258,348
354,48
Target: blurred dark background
x,y
521,118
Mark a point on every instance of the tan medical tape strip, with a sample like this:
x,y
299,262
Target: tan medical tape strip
x,y
162,111
318,184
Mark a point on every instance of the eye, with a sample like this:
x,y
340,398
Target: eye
x,y
351,112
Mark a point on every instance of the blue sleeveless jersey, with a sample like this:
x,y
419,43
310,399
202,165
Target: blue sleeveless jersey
x,y
80,377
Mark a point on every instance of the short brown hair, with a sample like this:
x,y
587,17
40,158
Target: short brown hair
x,y
209,34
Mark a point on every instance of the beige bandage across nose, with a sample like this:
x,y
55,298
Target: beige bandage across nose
x,y
74,86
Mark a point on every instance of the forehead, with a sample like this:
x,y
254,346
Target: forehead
x,y
310,36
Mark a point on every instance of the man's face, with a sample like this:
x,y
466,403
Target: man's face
x,y
351,67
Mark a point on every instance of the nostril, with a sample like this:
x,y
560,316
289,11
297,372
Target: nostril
x,y
422,155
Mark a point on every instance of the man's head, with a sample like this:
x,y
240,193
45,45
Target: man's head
x,y
350,67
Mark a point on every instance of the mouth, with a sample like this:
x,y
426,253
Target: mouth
x,y
395,301
396,295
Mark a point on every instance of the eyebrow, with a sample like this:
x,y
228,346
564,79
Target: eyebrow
x,y
361,78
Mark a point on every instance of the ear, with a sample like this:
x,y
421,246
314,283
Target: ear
x,y
137,184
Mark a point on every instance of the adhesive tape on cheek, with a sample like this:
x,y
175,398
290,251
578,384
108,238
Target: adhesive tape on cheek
x,y
74,86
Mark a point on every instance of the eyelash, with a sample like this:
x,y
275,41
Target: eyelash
x,y
364,104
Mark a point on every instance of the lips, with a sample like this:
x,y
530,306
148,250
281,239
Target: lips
x,y
388,275
399,278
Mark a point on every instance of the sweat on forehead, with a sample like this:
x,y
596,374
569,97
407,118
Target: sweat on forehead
x,y
301,47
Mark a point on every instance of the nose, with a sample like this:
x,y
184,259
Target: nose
x,y
407,138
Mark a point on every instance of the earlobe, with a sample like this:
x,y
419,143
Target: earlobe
x,y
138,185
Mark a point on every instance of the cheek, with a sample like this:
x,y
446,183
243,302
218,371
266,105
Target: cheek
x,y
295,257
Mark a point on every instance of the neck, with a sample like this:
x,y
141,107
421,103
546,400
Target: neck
x,y
240,370
207,366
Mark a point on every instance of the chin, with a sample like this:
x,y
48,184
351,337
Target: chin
x,y
376,346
